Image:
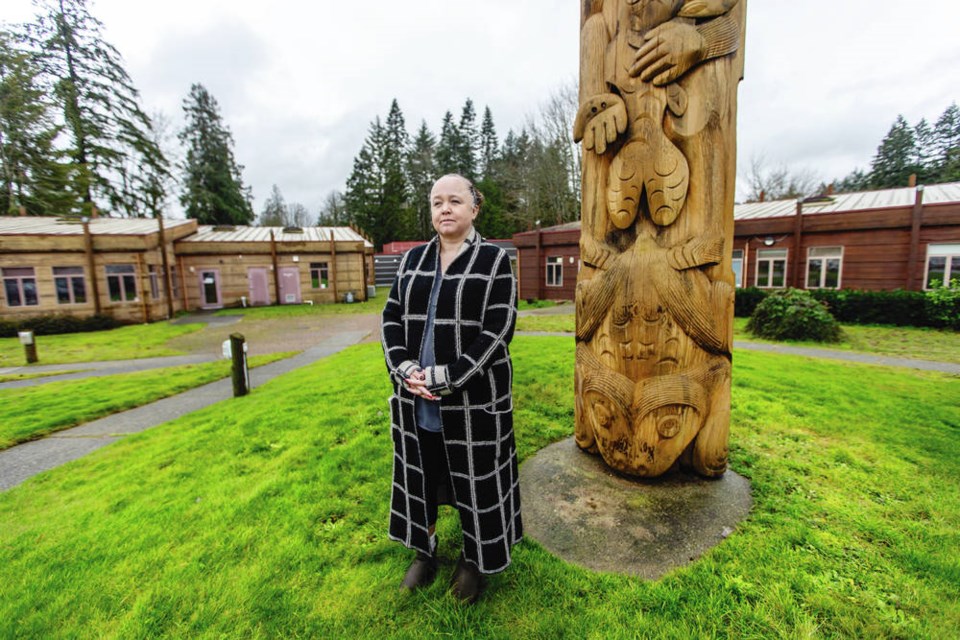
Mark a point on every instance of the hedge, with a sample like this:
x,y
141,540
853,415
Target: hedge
x,y
936,308
54,324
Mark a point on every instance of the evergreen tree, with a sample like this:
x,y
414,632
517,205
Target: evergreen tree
x,y
274,209
369,201
946,145
895,159
489,145
395,206
420,176
448,147
100,106
213,190
36,180
924,145
469,142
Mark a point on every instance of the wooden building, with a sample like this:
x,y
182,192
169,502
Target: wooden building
x,y
237,266
104,266
140,270
905,238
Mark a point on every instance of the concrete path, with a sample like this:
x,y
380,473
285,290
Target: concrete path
x,y
77,370
23,461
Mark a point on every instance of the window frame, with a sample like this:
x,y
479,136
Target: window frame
x,y
738,282
317,271
19,280
554,265
75,275
126,282
761,259
950,252
823,271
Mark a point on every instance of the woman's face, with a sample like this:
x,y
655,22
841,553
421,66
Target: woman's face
x,y
451,208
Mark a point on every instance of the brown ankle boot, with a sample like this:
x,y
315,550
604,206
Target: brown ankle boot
x,y
467,583
421,572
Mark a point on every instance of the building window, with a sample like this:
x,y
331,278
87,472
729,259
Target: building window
x,y
20,287
823,267
737,265
70,285
154,274
555,271
319,275
943,265
121,282
771,268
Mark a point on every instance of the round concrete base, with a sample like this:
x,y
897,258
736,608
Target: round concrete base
x,y
587,514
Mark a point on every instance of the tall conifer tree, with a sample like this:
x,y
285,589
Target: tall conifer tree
x,y
36,179
107,128
421,173
213,190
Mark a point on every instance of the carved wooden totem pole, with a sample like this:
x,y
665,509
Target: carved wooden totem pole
x,y
657,118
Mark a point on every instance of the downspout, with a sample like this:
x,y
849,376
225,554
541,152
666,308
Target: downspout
x,y
915,225
333,265
276,269
167,286
797,241
91,266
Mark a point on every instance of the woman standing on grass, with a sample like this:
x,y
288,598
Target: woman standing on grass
x,y
445,330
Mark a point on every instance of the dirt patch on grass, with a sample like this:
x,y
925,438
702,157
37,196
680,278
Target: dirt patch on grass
x,y
277,334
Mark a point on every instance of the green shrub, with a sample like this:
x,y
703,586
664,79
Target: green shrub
x,y
747,299
943,305
56,324
899,307
792,314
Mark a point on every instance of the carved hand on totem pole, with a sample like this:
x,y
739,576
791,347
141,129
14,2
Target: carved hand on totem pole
x,y
655,295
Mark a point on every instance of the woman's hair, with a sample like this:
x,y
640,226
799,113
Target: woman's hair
x,y
474,192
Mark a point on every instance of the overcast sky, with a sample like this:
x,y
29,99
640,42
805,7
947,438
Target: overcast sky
x,y
298,83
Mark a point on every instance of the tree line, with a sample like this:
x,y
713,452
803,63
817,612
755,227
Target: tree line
x,y
75,140
929,152
532,177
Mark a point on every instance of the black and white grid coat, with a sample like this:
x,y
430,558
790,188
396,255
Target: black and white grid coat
x,y
473,325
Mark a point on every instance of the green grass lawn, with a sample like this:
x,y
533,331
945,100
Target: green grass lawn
x,y
123,343
265,517
373,305
33,412
13,377
941,345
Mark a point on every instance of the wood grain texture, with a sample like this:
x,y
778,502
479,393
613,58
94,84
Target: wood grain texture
x,y
657,119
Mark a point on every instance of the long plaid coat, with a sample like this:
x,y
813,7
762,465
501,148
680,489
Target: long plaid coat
x,y
475,317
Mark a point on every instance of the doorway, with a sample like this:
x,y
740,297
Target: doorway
x,y
210,289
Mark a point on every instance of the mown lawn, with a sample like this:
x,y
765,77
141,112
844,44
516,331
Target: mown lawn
x,y
33,412
941,345
123,343
265,517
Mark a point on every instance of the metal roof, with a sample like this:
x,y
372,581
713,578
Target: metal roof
x,y
847,202
210,233
41,225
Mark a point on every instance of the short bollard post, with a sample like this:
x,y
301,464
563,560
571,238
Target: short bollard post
x,y
241,373
29,345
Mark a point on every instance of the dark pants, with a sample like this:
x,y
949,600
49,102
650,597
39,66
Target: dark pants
x,y
435,471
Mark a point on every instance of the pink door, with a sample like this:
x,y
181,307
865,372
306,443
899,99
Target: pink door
x,y
258,285
289,285
210,289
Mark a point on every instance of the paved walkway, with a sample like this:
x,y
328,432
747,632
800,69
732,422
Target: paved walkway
x,y
23,461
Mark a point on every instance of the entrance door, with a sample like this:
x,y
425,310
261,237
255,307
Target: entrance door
x,y
210,289
258,286
289,285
